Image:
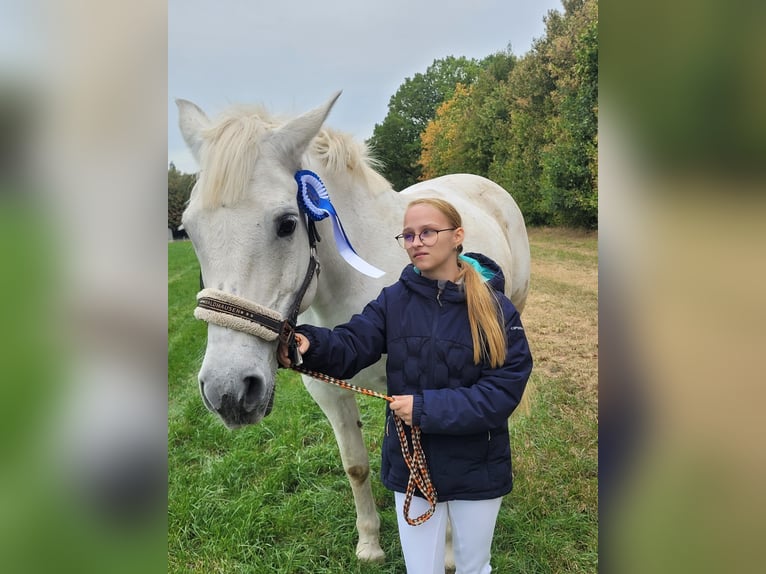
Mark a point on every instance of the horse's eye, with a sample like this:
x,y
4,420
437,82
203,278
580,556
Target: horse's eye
x,y
286,226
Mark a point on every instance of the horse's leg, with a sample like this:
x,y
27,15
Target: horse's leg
x,y
343,413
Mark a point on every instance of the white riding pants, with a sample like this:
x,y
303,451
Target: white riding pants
x,y
473,525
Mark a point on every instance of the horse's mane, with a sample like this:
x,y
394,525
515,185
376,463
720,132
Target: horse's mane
x,y
338,153
230,150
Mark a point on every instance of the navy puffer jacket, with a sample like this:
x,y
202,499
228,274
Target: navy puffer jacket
x,y
461,408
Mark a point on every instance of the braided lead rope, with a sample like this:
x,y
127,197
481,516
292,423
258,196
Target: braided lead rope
x,y
341,384
415,460
419,476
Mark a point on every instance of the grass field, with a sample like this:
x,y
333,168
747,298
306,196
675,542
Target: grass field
x,y
274,497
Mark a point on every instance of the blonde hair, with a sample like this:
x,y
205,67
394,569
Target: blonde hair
x,y
484,313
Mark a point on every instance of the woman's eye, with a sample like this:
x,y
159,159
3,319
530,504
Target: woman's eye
x,y
426,233
286,226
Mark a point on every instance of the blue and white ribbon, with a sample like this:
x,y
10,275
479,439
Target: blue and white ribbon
x,y
314,201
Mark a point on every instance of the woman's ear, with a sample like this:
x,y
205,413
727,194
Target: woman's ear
x,y
458,236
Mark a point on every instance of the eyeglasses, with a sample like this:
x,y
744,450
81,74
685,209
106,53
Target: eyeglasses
x,y
427,237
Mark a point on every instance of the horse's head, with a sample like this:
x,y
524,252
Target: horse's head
x,y
251,242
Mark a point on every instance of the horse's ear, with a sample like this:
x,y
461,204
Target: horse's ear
x,y
191,120
294,136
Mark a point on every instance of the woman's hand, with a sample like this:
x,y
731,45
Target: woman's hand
x,y
402,407
282,355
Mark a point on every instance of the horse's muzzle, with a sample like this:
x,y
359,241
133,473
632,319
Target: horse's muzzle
x,y
252,401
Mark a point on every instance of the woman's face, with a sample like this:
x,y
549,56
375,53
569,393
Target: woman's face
x,y
437,261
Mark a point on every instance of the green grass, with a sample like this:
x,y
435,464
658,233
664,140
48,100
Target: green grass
x,y
274,497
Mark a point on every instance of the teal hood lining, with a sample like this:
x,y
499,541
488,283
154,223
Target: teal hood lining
x,y
485,273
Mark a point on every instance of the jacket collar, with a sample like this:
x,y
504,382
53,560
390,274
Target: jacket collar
x,y
490,270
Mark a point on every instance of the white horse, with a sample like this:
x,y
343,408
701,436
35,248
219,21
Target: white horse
x,y
252,242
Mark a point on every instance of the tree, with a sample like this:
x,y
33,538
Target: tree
x,y
462,136
179,189
520,140
569,162
545,154
486,115
441,144
396,141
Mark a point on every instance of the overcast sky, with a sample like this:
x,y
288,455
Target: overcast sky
x,y
291,55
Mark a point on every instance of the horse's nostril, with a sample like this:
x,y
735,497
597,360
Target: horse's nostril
x,y
253,392
207,402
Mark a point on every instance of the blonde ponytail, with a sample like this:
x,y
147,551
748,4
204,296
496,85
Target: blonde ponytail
x,y
484,313
485,318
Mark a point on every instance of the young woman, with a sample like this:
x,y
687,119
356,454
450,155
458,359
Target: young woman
x,y
457,365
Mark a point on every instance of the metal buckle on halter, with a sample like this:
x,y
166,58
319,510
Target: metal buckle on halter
x,y
287,332
287,337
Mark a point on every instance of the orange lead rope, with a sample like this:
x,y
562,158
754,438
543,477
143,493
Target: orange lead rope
x,y
416,460
419,475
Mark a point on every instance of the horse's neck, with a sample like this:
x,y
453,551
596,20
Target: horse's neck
x,y
360,205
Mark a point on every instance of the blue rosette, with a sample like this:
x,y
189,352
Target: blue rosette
x,y
314,201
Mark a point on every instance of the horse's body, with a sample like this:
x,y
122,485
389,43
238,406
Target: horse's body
x,y
252,241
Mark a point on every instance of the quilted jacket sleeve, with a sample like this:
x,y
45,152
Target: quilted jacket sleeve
x,y
348,348
487,403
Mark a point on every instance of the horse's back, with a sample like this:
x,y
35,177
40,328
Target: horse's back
x,y
493,221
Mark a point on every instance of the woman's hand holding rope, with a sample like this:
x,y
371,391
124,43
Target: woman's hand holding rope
x,y
402,407
282,352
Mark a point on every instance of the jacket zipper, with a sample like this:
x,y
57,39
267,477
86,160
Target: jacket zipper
x,y
434,331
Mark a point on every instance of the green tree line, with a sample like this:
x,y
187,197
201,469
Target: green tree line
x,y
179,188
530,123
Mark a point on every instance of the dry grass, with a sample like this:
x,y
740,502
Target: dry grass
x,y
561,313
